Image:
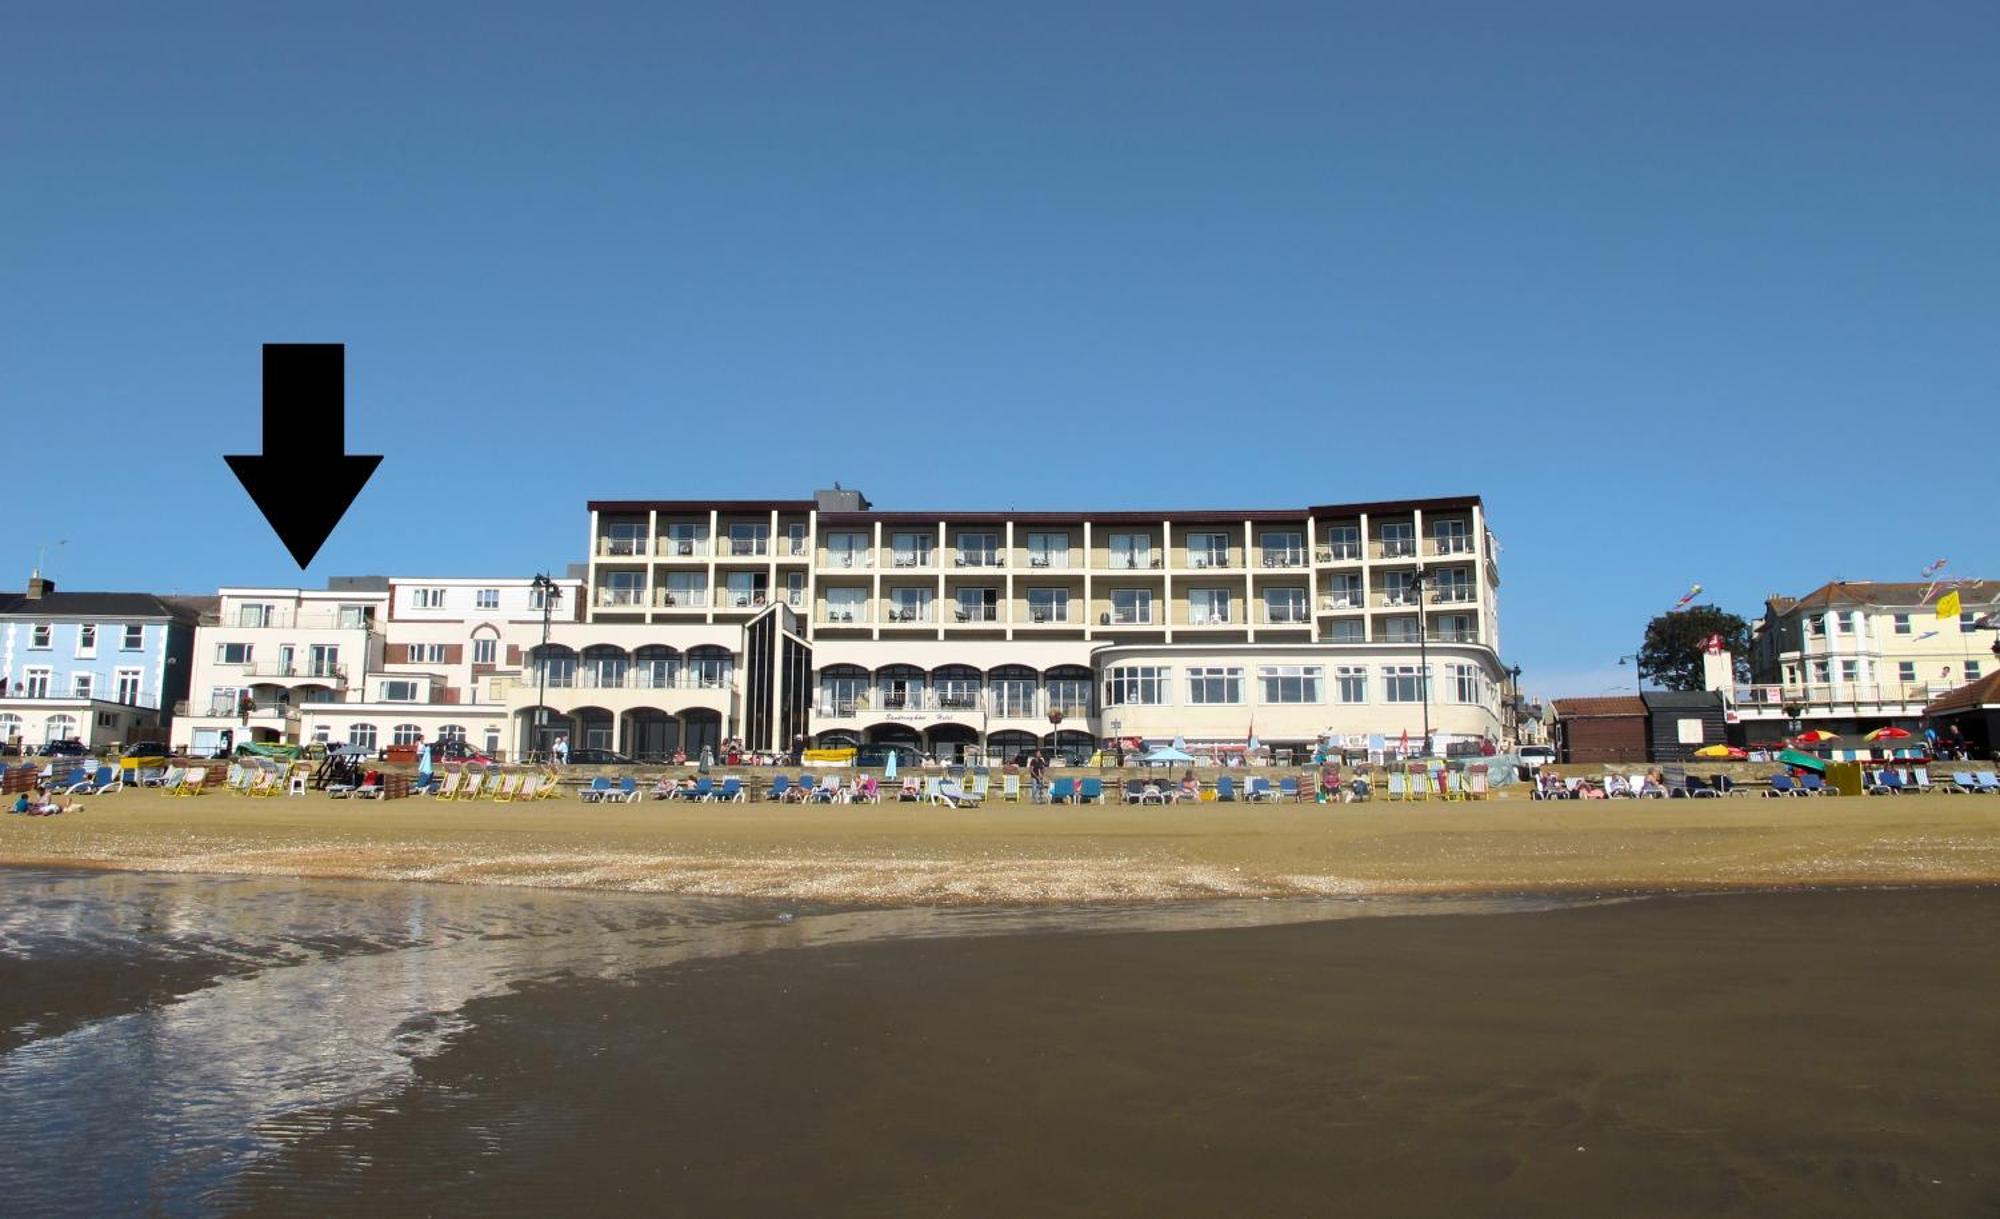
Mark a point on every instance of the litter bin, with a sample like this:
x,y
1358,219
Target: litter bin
x,y
1844,777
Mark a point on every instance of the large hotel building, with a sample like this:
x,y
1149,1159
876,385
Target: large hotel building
x,y
826,620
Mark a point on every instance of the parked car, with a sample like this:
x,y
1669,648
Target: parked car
x,y
452,749
598,757
72,748
1534,757
147,751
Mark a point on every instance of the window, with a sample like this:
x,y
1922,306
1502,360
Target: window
x,y
135,636
1814,627
323,660
1965,620
1130,606
978,605
79,685
484,651
1851,622
1399,588
1283,549
399,692
795,589
978,550
10,727
486,598
1069,695
36,682
847,549
361,735
1048,604
911,549
232,653
1403,683
224,700
130,683
910,604
1013,696
1453,584
1133,684
1049,550
1399,630
1208,550
1399,539
539,598
685,588
1902,622
847,605
426,653
1822,673
431,598
1352,682
1285,605
795,541
1343,542
405,734
451,732
59,728
957,692
492,742
1850,671
1906,671
40,635
746,588
1450,537
1468,684
620,538
1131,551
1971,670
86,639
354,617
622,588
687,538
1208,606
1347,630
255,615
1215,685
1343,592
749,539
842,695
1290,683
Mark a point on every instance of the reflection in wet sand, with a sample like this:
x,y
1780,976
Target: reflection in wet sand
x,y
328,992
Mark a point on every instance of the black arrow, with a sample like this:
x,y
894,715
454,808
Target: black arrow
x,y
305,479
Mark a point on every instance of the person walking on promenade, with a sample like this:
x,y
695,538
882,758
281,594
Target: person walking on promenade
x,y
1038,777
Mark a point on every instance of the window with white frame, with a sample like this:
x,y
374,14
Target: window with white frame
x,y
1049,550
841,694
1850,671
797,545
1283,548
451,732
399,691
1452,584
233,653
355,617
1208,606
1402,684
1290,683
130,684
910,549
847,549
1213,684
486,598
847,605
687,538
747,539
1347,630
1343,591
1468,684
622,588
978,604
485,650
1343,542
622,538
256,614
425,653
1451,537
1399,630
361,736
685,588
1399,539
405,734
1130,551
41,635
1130,606
1012,696
1351,683
1822,672
1139,684
86,639
1901,623
1048,605
1070,695
746,588
135,636
1813,627
978,550
1971,670
1208,549
1285,605
1399,588
1453,628
427,598
910,604
80,684
1906,671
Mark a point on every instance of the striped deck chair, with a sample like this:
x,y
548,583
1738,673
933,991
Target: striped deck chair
x,y
1010,788
980,784
474,782
449,788
506,789
192,781
932,786
531,788
551,785
1399,785
1476,784
237,781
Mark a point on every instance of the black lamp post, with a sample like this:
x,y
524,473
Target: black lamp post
x,y
1515,706
1637,668
550,592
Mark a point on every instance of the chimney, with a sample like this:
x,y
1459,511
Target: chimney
x,y
38,587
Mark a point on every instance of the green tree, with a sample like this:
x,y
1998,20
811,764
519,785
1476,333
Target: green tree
x,y
1675,642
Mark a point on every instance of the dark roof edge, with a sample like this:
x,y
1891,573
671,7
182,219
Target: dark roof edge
x,y
700,505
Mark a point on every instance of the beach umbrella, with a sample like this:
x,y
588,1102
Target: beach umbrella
x,y
1816,735
1717,751
889,771
1891,733
1792,757
1167,754
424,763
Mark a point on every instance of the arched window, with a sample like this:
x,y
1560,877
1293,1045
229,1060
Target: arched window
x,y
655,666
1010,691
405,734
956,687
557,665
10,726
59,728
451,732
710,666
362,735
604,666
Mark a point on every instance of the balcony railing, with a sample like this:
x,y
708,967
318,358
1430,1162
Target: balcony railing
x,y
975,613
846,615
905,613
683,548
230,708
1049,614
1049,562
1284,558
908,559
680,598
621,548
1203,559
745,547
1283,615
849,704
621,598
1208,618
1125,618
332,673
630,679
1341,552
1134,562
1454,595
1451,545
287,619
847,559
1396,548
1815,695
1341,601
977,558
740,600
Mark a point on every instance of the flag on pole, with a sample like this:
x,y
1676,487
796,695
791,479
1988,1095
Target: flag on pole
x,y
1948,605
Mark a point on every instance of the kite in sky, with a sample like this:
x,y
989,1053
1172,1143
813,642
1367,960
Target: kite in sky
x,y
1692,593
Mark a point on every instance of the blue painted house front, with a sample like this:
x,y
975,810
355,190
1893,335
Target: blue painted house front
x,y
104,668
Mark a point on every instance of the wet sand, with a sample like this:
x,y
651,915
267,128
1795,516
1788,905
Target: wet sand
x,y
907,853
1753,1054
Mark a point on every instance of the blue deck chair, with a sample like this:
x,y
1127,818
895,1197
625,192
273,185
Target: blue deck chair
x,y
1781,785
599,788
1893,781
1288,789
628,790
731,792
1225,789
1135,790
1259,790
1986,781
1061,791
1090,791
1815,785
780,784
704,789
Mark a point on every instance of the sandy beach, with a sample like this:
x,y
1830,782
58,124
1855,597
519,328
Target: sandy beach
x,y
909,853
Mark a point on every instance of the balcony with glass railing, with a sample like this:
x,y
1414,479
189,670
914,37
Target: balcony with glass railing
x,y
1282,558
912,560
1050,560
682,548
737,599
1335,602
622,547
845,615
1141,561
619,598
257,618
975,613
847,560
1283,615
893,613
680,598
1048,615
1396,548
1454,594
1812,697
1450,544
1129,616
1340,552
1210,559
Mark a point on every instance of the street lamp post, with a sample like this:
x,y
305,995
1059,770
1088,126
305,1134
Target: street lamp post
x,y
549,593
1514,705
1637,668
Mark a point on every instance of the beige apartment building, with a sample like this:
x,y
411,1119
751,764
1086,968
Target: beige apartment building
x,y
772,620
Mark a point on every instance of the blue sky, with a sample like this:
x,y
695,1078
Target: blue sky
x,y
1701,292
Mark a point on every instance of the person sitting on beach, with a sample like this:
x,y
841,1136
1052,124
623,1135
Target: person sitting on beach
x,y
1190,788
45,804
1329,779
870,790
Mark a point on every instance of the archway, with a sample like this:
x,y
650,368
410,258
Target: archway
x,y
535,741
895,734
1012,745
950,742
838,738
594,729
1075,746
651,735
701,728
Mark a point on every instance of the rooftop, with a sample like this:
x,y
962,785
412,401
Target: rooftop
x,y
1982,693
1865,593
53,604
1599,708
